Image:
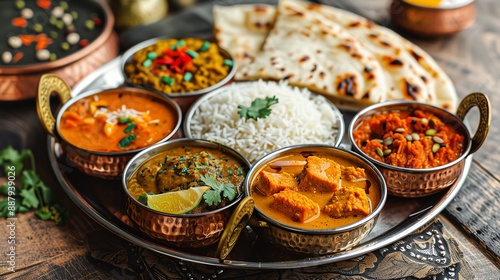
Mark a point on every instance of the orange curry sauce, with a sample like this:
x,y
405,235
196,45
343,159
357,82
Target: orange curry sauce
x,y
409,139
324,221
117,121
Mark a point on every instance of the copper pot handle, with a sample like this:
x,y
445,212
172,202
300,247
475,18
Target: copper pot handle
x,y
481,101
48,84
236,223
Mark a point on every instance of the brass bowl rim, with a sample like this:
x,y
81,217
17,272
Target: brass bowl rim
x,y
451,7
127,55
297,148
206,98
386,106
45,66
165,99
165,146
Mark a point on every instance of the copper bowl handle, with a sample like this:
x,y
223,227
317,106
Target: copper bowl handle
x,y
481,101
48,84
236,223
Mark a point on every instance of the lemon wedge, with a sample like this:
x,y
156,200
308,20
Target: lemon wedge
x,y
178,202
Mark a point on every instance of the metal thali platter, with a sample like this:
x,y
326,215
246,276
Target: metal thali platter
x,y
104,201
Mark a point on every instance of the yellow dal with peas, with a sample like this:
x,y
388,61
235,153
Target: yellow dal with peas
x,y
178,66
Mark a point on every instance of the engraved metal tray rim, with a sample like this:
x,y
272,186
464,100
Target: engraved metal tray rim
x,y
108,76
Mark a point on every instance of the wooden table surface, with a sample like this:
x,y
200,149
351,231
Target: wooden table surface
x,y
472,60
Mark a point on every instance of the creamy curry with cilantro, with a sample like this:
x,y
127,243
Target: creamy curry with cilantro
x,y
117,120
184,167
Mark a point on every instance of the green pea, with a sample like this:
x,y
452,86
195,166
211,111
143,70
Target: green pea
x,y
89,24
20,4
65,46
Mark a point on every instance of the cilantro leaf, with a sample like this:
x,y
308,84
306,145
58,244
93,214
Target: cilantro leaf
x,y
29,198
29,179
258,109
32,192
214,195
45,193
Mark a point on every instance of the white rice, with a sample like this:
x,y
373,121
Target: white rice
x,y
299,118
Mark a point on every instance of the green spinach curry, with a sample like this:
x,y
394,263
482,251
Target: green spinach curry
x,y
185,167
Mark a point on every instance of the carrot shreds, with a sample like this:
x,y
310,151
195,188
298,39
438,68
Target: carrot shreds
x,y
17,57
26,39
42,42
44,4
19,22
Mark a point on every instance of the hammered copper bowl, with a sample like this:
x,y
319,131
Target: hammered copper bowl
x,y
106,165
183,230
412,182
18,82
425,20
186,99
320,241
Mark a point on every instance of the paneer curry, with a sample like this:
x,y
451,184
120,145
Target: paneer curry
x,y
319,191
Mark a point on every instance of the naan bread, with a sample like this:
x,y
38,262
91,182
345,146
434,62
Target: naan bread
x,y
409,73
311,51
242,29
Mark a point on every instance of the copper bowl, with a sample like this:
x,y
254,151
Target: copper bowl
x,y
106,165
184,230
186,99
320,241
198,106
19,82
432,21
412,182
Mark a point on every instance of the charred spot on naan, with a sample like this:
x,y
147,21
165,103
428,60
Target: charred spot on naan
x,y
412,91
347,85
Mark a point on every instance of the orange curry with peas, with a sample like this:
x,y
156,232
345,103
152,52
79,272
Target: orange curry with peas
x,y
407,139
117,120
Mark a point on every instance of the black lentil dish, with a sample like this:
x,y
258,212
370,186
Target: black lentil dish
x,y
36,31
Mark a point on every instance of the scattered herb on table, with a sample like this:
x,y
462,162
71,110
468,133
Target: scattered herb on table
x,y
214,195
28,193
258,109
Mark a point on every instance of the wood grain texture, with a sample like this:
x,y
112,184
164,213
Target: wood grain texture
x,y
472,60
476,207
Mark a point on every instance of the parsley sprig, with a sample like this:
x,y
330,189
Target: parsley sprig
x,y
28,193
258,109
219,190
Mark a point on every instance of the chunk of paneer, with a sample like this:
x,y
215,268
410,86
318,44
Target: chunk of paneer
x,y
353,174
347,202
299,207
320,175
270,183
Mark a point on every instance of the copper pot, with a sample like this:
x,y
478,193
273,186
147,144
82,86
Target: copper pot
x,y
188,230
432,21
19,82
412,182
106,165
321,241
186,99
